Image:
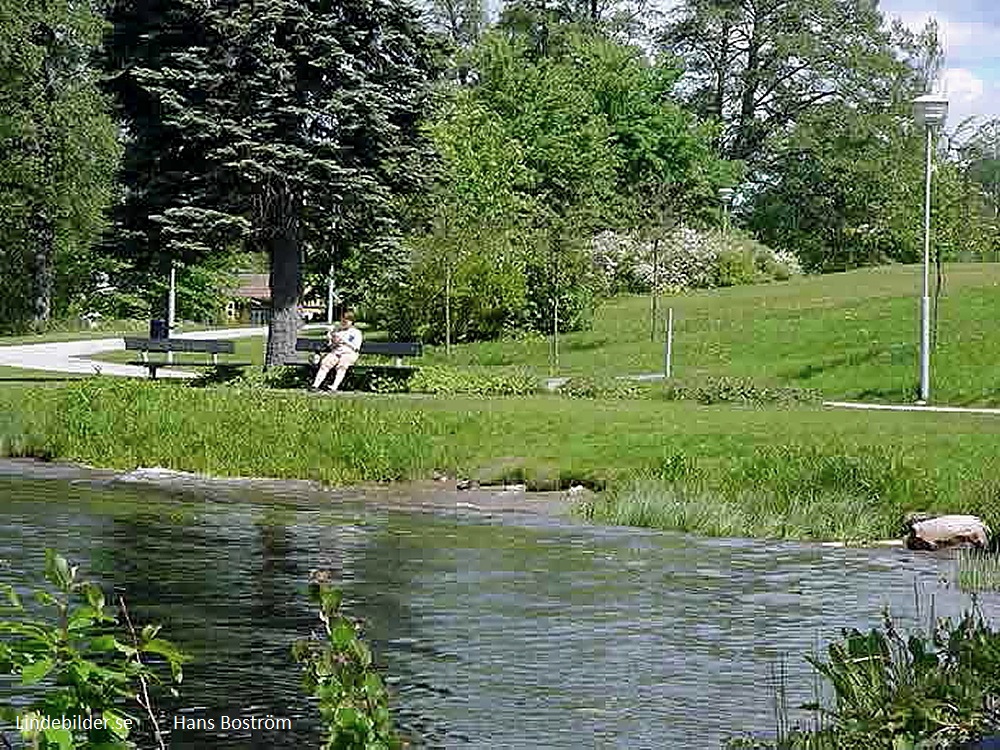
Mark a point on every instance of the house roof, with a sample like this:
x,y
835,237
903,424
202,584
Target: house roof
x,y
253,286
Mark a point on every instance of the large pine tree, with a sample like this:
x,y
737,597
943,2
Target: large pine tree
x,y
297,116
320,101
159,55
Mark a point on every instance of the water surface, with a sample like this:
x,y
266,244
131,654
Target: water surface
x,y
516,630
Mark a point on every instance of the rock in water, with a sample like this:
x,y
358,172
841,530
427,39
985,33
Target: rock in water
x,y
938,532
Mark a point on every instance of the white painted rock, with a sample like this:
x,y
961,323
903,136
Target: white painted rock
x,y
931,533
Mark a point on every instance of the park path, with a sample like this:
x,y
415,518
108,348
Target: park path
x,y
912,407
74,356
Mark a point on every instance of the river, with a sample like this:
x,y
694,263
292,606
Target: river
x,y
512,629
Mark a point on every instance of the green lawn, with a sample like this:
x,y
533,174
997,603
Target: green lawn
x,y
800,471
850,335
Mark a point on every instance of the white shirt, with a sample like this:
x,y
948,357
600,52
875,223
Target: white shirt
x,y
349,337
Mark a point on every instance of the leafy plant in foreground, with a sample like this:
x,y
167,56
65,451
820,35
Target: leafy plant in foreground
x,y
80,663
353,701
903,693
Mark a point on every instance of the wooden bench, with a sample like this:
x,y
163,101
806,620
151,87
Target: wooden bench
x,y
210,346
396,349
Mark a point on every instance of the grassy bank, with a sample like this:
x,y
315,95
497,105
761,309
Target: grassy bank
x,y
800,472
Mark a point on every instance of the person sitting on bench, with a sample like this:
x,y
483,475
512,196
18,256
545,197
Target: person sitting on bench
x,y
345,345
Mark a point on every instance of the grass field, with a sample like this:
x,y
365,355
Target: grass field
x,y
801,472
850,335
792,472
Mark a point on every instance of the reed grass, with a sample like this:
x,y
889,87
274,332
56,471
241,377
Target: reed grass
x,y
977,571
889,690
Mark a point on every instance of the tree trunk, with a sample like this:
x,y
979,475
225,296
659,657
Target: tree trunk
x,y
719,102
286,280
43,273
746,139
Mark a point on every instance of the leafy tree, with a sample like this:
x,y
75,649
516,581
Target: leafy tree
x,y
535,159
848,191
981,155
759,66
57,153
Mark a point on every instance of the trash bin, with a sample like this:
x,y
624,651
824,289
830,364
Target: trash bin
x,y
158,329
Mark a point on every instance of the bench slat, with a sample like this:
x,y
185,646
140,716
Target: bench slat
x,y
386,348
211,346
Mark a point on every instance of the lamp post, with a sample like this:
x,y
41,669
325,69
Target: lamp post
x,y
726,196
929,111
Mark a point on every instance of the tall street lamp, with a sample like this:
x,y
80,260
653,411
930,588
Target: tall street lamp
x,y
726,196
929,111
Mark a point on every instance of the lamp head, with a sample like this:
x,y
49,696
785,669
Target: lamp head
x,y
726,194
930,110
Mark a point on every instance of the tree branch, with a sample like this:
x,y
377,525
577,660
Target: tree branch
x,y
142,700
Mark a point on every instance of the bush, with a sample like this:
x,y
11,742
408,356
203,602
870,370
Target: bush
x,y
76,659
736,267
890,691
687,258
339,672
448,381
739,391
585,387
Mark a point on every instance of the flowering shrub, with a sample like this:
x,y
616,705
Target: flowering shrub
x,y
687,258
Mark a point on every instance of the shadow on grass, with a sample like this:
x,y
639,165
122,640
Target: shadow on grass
x,y
897,354
39,379
891,395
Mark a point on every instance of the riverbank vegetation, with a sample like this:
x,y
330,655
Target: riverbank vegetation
x,y
83,661
77,673
793,472
893,691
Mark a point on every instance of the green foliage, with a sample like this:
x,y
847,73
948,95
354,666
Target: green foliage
x,y
75,659
58,154
848,187
917,692
893,692
339,671
449,381
760,68
743,391
286,124
543,152
736,267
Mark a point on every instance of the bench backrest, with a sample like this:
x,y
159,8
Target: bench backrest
x,y
180,345
386,348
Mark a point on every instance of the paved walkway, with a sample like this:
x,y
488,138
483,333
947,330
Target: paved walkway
x,y
74,356
911,407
